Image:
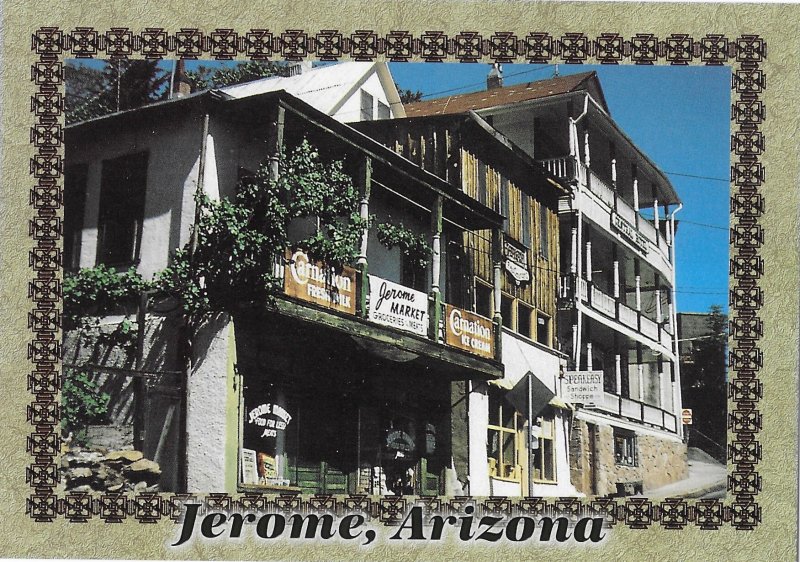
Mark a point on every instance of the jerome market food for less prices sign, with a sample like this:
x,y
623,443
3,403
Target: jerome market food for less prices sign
x,y
397,306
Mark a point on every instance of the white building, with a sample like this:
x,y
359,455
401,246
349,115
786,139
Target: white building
x,y
617,297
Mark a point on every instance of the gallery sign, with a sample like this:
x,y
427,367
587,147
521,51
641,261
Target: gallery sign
x,y
629,232
516,262
583,387
469,331
318,283
397,306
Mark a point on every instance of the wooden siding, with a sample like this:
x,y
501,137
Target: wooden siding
x,y
438,147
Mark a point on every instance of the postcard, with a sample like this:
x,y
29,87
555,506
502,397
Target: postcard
x,y
475,279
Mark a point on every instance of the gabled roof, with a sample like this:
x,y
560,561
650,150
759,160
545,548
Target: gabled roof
x,y
324,87
475,101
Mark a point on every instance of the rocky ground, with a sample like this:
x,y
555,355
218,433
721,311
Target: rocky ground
x,y
98,470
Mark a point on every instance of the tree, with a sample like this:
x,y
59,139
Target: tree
x,y
120,85
705,384
205,78
407,96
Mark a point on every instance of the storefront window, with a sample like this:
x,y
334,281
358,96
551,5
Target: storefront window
x,y
503,442
543,450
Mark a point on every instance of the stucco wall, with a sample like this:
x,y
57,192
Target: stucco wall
x,y
173,147
207,402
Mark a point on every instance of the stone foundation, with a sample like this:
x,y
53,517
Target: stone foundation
x,y
660,461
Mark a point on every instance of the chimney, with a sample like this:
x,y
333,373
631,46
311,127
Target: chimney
x,y
495,77
181,85
300,67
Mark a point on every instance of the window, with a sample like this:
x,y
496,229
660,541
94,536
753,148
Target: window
x,y
483,196
542,329
74,204
505,205
507,311
503,438
625,447
544,241
543,449
412,275
524,316
121,214
366,106
483,299
383,111
526,220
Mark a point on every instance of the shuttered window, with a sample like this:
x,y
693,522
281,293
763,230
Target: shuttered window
x,y
121,216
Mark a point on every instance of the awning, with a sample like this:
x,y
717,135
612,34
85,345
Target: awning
x,y
557,402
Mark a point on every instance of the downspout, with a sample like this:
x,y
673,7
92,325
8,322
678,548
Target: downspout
x,y
676,371
187,325
576,352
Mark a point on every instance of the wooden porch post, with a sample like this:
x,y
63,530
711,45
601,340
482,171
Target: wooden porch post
x,y
362,283
497,261
435,298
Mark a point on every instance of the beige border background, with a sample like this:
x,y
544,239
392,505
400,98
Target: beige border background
x,y
779,25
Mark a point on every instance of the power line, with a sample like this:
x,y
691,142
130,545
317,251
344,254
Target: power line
x,y
725,228
482,83
726,180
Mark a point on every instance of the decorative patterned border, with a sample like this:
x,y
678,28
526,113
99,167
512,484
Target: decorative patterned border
x,y
744,54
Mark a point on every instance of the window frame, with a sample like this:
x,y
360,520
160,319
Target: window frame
x,y
365,95
500,470
133,205
541,421
631,443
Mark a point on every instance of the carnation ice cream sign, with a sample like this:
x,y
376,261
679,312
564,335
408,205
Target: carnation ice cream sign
x,y
469,331
318,283
397,306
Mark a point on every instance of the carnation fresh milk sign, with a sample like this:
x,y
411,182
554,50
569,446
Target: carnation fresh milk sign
x,y
397,306
318,283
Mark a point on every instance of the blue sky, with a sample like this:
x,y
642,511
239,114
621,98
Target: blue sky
x,y
679,116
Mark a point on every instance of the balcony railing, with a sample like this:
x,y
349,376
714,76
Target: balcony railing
x,y
566,167
604,303
639,411
649,328
616,310
628,316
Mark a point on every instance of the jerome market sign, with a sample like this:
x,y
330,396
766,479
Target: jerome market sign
x,y
397,306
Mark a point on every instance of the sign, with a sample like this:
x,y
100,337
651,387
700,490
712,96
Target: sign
x,y
397,306
249,469
630,232
400,441
268,419
469,331
686,416
583,387
516,262
317,283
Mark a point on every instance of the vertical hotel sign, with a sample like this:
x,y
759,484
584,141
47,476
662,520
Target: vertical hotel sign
x,y
469,331
318,283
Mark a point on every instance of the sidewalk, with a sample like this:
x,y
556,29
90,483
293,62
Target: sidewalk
x,y
706,475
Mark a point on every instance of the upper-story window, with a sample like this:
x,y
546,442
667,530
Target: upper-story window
x,y
74,205
383,111
121,215
544,240
366,106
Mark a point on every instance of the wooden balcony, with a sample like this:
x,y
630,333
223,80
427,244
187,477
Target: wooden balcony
x,y
638,411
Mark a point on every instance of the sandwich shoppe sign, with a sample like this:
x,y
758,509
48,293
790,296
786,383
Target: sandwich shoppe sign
x,y
318,283
469,331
